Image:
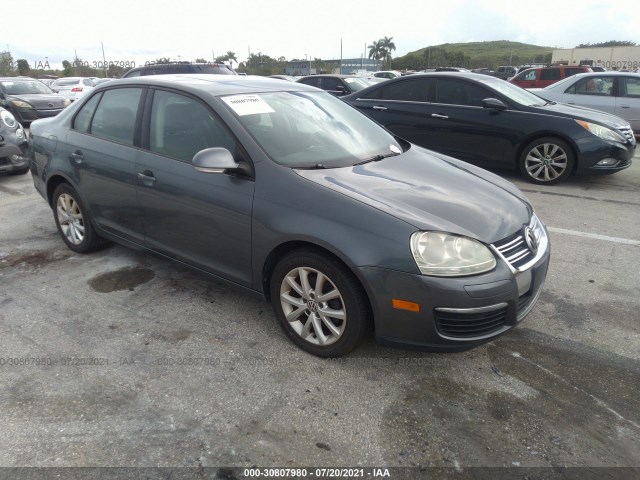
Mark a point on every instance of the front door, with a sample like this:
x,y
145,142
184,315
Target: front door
x,y
202,219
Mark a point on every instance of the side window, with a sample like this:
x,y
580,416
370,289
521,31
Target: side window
x,y
456,92
134,73
602,86
550,74
88,82
330,83
83,118
630,87
181,127
414,90
314,82
115,117
530,75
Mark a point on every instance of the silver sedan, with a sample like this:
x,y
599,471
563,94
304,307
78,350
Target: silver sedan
x,y
612,92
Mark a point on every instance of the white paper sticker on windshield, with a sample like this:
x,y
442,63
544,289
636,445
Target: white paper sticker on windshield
x,y
247,104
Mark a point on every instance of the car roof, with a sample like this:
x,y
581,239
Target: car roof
x,y
18,79
217,85
334,75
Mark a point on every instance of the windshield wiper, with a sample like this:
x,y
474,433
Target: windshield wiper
x,y
376,158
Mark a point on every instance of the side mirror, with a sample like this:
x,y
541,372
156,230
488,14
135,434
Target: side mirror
x,y
494,104
218,160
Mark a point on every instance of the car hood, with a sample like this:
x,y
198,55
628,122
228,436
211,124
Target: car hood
x,y
581,113
433,192
43,101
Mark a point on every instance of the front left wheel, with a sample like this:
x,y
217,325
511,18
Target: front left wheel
x,y
319,303
547,161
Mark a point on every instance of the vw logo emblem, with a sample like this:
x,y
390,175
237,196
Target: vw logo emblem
x,y
312,305
51,104
531,240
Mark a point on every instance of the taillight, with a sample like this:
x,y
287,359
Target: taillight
x,y
76,89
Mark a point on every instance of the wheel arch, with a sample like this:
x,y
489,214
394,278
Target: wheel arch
x,y
277,253
551,134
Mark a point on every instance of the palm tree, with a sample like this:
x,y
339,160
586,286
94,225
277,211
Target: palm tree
x,y
231,57
388,46
375,51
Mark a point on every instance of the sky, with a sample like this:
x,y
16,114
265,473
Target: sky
x,y
144,30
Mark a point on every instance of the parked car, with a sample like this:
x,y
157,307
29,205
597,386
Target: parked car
x,y
337,85
13,145
288,192
611,92
387,74
170,68
29,99
73,87
100,81
544,76
505,72
288,78
484,71
492,123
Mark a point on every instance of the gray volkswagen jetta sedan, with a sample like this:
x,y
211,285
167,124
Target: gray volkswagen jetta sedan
x,y
293,195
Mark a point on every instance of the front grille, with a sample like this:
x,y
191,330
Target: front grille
x,y
515,250
461,324
522,248
627,133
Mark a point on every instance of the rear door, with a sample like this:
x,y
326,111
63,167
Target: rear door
x,y
103,157
548,76
202,219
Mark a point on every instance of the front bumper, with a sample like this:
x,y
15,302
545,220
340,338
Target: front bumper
x,y
28,115
454,313
594,150
13,157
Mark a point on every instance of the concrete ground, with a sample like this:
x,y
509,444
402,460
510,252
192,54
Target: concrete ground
x,y
135,361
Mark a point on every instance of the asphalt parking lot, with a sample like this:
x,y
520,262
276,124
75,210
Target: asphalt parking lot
x,y
134,361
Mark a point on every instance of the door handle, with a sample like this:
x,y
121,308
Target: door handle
x,y
571,103
625,106
378,107
77,156
147,178
437,115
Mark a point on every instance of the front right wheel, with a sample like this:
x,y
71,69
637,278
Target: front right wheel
x,y
319,303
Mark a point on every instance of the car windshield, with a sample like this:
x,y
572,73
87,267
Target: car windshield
x,y
311,129
25,87
513,92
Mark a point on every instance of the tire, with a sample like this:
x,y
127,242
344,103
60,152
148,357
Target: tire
x,y
327,323
547,161
73,222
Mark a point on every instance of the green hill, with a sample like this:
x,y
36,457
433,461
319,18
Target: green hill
x,y
474,55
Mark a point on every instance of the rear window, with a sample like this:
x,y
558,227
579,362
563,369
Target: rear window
x,y
66,81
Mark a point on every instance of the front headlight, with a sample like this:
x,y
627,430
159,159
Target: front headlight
x,y
447,255
8,119
21,104
602,132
